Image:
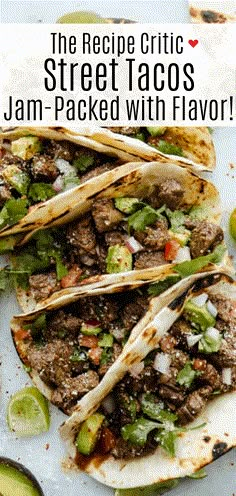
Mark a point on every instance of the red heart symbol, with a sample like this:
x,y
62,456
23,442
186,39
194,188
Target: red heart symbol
x,y
193,43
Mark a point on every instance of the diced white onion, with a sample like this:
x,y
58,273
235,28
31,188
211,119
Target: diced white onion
x,y
162,363
133,245
183,254
200,300
58,184
227,376
212,309
64,166
136,369
192,339
213,333
109,403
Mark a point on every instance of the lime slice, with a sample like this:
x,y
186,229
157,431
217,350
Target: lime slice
x,y
232,224
28,413
80,18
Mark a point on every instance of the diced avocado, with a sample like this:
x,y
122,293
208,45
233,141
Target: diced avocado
x,y
88,434
127,205
156,131
106,341
169,149
139,136
199,315
13,482
18,179
26,147
119,259
181,237
198,213
90,329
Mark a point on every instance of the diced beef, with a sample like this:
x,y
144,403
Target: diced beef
x,y
154,237
43,285
52,362
44,169
9,159
105,215
117,349
226,308
171,193
101,255
97,171
133,312
146,382
178,359
61,149
147,259
180,330
102,308
5,194
63,323
168,343
226,356
108,309
190,223
171,394
81,236
72,389
115,238
126,130
124,449
193,405
210,376
205,237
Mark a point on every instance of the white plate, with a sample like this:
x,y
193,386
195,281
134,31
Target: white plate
x,y
42,454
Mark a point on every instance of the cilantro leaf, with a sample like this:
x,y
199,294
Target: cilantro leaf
x,y
13,211
190,267
83,162
4,275
167,441
137,432
155,410
41,192
153,490
156,288
176,218
187,375
144,217
200,474
169,149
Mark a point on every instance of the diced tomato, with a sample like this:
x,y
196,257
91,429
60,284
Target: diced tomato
x,y
22,334
199,364
88,341
72,277
171,249
95,355
107,441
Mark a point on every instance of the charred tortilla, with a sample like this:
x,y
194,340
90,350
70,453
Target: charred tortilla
x,y
173,415
152,218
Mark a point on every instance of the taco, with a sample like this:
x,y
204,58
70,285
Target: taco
x,y
154,217
36,164
188,146
69,345
173,411
217,12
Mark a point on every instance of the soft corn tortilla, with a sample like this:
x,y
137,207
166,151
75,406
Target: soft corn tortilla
x,y
140,182
195,448
196,143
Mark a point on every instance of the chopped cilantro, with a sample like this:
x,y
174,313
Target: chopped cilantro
x,y
13,211
169,149
144,217
41,192
187,375
78,356
83,162
190,267
167,441
156,288
105,356
177,219
38,326
137,432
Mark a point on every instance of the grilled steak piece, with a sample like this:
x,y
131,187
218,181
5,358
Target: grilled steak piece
x,y
61,149
154,237
63,323
172,394
5,194
126,130
66,396
226,356
43,285
171,193
102,308
81,236
133,312
123,449
205,237
146,382
52,362
97,171
210,376
115,238
43,168
180,330
193,405
105,215
147,259
178,359
226,308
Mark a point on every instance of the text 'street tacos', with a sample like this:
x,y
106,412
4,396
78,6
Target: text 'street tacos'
x,y
156,216
174,409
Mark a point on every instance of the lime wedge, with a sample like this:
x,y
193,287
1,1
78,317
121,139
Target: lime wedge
x,y
232,224
80,18
28,413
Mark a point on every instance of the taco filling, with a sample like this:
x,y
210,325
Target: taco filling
x,y
71,349
170,388
118,235
34,169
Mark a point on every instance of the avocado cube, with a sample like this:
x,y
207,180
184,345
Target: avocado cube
x,y
26,147
127,205
88,434
156,131
18,179
199,315
119,259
